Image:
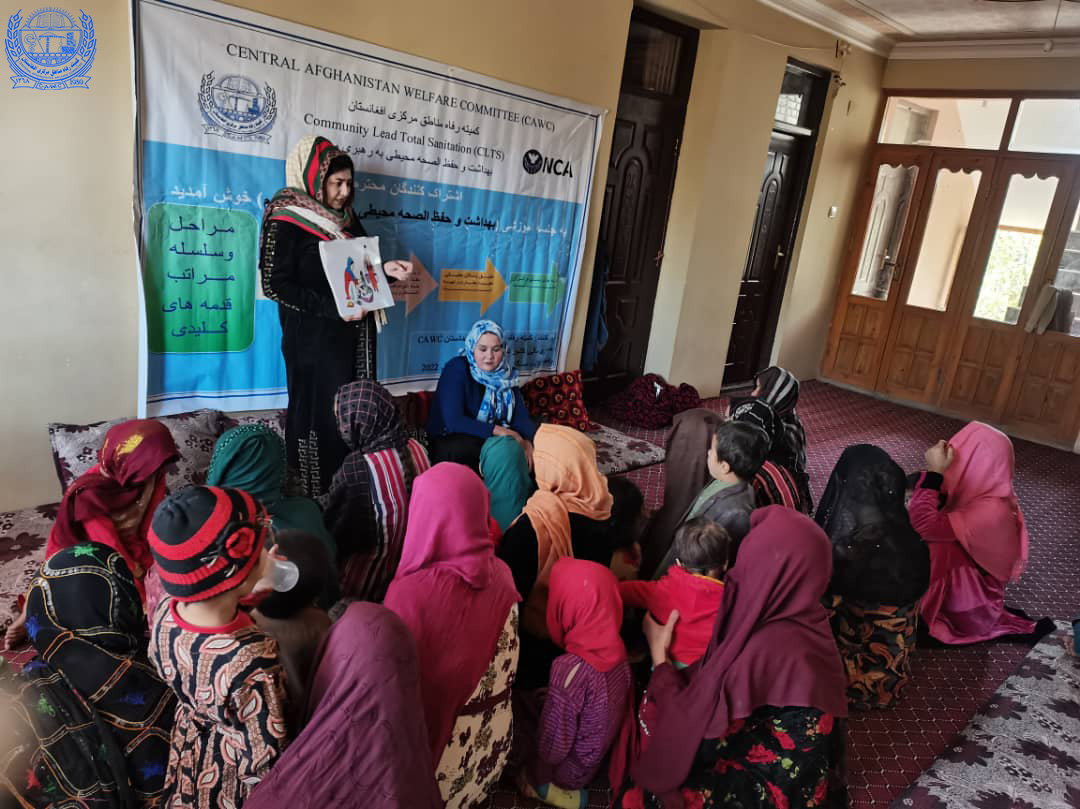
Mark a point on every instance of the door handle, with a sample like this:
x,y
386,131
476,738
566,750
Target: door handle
x,y
779,255
658,258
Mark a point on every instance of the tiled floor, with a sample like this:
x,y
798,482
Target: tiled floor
x,y
888,749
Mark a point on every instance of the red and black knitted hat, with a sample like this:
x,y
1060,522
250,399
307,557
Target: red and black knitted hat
x,y
206,540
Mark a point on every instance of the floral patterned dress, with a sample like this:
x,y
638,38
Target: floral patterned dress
x,y
875,641
479,745
778,758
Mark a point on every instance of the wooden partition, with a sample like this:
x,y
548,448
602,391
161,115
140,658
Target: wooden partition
x,y
954,257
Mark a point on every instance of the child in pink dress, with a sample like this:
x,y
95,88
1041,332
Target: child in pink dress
x,y
978,540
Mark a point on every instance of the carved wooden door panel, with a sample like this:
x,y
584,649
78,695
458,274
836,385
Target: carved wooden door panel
x,y
1045,399
637,195
1027,202
876,256
1046,393
766,261
946,236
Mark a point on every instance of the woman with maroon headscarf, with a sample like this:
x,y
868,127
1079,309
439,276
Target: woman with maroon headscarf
x,y
112,502
753,722
364,740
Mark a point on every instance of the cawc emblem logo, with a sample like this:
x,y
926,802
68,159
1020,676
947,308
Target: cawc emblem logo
x,y
50,51
234,107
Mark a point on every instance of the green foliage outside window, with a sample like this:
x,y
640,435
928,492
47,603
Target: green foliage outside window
x,y
1008,271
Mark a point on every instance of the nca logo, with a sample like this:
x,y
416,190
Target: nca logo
x,y
533,162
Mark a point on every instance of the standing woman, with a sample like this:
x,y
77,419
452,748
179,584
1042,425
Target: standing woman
x,y
478,398
322,352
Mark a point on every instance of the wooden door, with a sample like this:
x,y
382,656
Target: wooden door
x,y
1025,210
875,260
779,202
637,196
1045,399
946,234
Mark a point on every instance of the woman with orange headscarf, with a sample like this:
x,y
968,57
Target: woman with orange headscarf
x,y
567,516
978,539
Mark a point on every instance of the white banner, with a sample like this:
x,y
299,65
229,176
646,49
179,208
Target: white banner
x,y
483,184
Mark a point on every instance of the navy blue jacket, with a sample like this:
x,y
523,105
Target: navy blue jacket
x,y
457,401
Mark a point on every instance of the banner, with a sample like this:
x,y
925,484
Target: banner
x,y
484,185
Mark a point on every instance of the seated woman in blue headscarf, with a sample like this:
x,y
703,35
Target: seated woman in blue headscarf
x,y
478,398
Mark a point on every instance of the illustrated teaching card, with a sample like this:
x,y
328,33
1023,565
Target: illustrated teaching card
x,y
354,271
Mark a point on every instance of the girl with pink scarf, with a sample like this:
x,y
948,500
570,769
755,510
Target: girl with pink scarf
x,y
978,540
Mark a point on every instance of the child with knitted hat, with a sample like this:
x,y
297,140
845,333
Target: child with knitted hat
x,y
210,547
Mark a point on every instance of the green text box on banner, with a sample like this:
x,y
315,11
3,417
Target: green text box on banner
x,y
200,279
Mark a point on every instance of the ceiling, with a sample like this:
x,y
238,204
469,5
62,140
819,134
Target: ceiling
x,y
918,28
922,20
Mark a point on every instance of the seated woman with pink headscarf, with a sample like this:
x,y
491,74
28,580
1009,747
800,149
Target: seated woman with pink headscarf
x,y
978,540
460,604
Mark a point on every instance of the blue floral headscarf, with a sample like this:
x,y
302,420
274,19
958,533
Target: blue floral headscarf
x,y
498,403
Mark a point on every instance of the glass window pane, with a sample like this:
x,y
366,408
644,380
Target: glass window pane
x,y
1063,308
1016,245
652,59
884,230
792,106
972,123
1047,125
946,227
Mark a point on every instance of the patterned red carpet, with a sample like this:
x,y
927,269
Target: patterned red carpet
x,y
887,750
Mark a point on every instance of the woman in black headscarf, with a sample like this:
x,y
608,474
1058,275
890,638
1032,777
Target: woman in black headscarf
x,y
776,483
881,568
779,389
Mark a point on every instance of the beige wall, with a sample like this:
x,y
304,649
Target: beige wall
x,y
69,312
725,142
66,239
984,74
848,131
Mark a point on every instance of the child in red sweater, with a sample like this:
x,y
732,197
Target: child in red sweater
x,y
693,585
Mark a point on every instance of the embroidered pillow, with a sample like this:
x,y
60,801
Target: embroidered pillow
x,y
557,399
274,419
75,446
